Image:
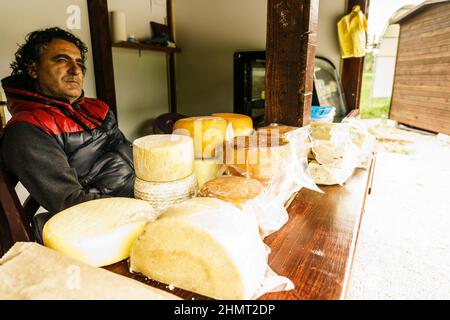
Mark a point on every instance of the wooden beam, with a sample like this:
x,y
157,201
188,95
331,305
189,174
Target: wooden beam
x,y
352,70
170,58
101,52
291,47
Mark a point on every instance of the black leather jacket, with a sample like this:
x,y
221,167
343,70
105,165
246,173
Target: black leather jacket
x,y
64,153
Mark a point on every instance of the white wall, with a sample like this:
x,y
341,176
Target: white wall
x,y
140,80
19,17
207,31
210,31
385,60
330,11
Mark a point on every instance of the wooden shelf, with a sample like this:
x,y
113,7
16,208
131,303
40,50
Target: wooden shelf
x,y
143,46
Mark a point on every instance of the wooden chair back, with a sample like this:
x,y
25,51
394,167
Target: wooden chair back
x,y
15,218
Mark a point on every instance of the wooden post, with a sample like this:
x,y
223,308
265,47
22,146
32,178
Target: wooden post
x,y
101,52
291,47
352,70
170,58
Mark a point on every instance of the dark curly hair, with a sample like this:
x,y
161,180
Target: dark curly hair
x,y
36,42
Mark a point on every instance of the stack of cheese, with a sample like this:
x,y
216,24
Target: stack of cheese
x,y
164,166
204,245
98,232
209,133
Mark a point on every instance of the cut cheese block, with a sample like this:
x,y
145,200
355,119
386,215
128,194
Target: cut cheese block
x,y
163,157
325,175
204,245
205,170
257,156
326,131
161,195
208,134
98,232
236,190
29,271
242,125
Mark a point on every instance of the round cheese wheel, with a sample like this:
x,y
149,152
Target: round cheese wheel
x,y
203,245
208,134
162,195
98,232
276,129
205,170
236,190
256,156
242,125
163,157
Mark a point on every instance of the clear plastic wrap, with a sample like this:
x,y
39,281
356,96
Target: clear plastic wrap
x,y
207,239
280,164
338,149
363,140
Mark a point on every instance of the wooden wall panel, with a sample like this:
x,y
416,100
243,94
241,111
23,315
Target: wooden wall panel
x,y
421,93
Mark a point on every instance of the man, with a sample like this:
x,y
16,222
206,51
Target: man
x,y
64,148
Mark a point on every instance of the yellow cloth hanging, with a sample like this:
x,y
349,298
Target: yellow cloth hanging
x,y
352,30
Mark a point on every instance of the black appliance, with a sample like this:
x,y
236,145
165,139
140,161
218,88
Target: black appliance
x,y
249,86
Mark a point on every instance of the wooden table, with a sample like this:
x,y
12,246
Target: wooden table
x,y
316,246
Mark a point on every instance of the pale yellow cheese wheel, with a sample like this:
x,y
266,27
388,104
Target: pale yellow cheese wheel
x,y
242,125
208,134
162,195
205,170
98,232
163,157
203,245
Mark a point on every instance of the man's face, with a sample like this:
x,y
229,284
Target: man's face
x,y
59,72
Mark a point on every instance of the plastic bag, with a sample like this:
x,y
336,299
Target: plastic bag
x,y
286,165
363,140
335,155
352,30
338,149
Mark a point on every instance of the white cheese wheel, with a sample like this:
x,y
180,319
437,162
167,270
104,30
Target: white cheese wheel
x,y
98,232
241,124
163,157
205,170
204,245
162,195
208,133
